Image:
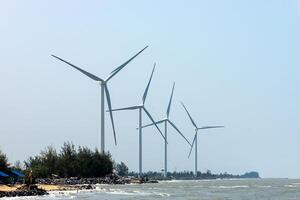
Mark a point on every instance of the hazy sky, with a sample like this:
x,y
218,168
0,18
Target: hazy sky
x,y
235,63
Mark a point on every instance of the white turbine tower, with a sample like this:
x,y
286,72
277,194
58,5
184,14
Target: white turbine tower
x,y
141,108
104,92
195,141
166,120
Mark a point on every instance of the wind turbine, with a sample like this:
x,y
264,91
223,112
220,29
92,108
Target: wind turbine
x,y
141,108
195,141
166,120
104,92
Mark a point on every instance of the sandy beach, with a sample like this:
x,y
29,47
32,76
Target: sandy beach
x,y
7,188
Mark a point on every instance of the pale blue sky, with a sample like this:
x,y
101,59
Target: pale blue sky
x,y
235,63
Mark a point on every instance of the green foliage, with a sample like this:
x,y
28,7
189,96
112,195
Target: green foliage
x,y
85,157
101,164
122,169
70,162
37,166
3,162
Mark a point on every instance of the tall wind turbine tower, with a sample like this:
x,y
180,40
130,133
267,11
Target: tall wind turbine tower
x,y
167,121
104,92
195,141
141,107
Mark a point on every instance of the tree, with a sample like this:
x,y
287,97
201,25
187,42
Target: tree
x,y
68,156
84,161
3,162
38,168
70,162
102,164
45,164
122,169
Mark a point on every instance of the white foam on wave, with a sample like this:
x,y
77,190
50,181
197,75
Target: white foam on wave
x,y
229,187
171,181
205,180
263,186
20,198
115,191
52,195
120,192
131,193
290,186
68,194
161,194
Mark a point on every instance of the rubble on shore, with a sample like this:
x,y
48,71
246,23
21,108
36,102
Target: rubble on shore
x,y
32,190
112,179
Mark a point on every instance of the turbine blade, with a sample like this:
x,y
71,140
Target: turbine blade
x,y
159,122
115,71
147,88
151,118
127,108
179,132
170,102
192,145
92,76
121,66
208,127
189,115
110,112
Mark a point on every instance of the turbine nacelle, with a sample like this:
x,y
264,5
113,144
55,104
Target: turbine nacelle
x,y
196,128
142,105
167,120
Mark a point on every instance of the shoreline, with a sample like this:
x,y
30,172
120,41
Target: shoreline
x,y
20,190
41,189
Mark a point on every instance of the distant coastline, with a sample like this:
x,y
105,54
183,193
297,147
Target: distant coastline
x,y
189,175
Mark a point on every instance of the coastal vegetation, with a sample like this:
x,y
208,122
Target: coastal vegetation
x,y
70,162
3,162
83,162
122,169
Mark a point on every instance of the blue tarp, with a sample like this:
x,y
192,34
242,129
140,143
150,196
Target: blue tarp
x,y
16,173
2,174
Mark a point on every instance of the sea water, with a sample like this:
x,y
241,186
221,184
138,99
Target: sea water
x,y
246,189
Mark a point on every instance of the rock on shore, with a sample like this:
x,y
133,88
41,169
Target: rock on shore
x,y
109,179
30,191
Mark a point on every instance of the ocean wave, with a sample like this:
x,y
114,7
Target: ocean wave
x,y
20,198
171,181
229,187
135,193
120,192
290,186
162,194
263,186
